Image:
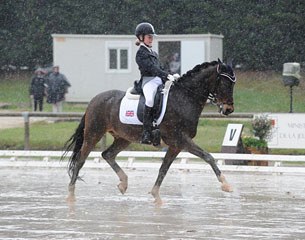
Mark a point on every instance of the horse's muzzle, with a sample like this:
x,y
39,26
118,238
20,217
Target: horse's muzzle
x,y
226,109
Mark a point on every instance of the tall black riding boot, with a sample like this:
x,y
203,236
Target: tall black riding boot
x,y
147,126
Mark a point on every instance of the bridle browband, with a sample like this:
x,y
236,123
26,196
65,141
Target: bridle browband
x,y
232,78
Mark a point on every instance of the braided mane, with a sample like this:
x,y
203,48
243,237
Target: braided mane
x,y
198,68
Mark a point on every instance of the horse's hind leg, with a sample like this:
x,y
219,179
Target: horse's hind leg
x,y
79,162
170,156
110,154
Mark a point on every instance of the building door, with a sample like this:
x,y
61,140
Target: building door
x,y
169,54
192,53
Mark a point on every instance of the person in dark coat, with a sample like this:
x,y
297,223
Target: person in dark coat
x,y
37,89
57,88
152,74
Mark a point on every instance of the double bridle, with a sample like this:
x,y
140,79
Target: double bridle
x,y
213,95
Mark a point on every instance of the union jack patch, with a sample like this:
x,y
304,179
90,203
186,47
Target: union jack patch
x,y
129,113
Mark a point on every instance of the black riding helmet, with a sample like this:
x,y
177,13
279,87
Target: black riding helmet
x,y
144,29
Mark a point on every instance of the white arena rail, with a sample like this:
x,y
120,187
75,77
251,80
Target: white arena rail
x,y
152,159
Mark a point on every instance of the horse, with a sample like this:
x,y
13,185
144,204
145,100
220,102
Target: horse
x,y
187,97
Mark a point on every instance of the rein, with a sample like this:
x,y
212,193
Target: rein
x,y
190,90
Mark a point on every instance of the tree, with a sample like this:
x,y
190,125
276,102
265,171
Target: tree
x,y
258,34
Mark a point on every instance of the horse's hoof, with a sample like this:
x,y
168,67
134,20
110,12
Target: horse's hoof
x,y
155,193
158,202
70,199
122,187
226,187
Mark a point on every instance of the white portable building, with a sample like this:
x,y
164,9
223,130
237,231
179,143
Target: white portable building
x,y
97,63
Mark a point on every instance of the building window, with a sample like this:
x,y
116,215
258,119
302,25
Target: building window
x,y
113,56
118,57
123,58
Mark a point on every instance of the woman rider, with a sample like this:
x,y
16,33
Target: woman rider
x,y
152,74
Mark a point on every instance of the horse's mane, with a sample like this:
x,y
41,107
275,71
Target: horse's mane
x,y
198,68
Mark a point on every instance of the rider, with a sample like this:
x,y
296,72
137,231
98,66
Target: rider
x,y
152,74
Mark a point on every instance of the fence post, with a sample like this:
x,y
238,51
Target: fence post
x,y
26,130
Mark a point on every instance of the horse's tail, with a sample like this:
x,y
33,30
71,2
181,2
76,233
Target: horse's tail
x,y
75,142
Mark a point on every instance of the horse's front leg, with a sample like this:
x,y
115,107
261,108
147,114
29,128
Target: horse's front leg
x,y
170,156
109,155
196,150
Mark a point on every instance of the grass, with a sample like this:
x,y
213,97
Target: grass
x,y
46,136
42,136
265,92
53,136
14,92
254,92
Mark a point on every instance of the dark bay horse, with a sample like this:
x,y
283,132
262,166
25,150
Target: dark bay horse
x,y
187,97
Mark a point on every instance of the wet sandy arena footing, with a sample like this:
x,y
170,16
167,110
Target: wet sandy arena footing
x,y
262,206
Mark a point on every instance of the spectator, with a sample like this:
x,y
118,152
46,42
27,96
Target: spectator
x,y
37,89
174,65
57,89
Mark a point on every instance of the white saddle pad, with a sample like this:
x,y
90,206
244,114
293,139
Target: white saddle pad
x,y
129,106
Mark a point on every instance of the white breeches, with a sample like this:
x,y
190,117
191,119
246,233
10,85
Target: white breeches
x,y
150,89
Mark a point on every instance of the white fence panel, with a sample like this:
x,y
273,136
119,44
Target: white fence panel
x,y
152,159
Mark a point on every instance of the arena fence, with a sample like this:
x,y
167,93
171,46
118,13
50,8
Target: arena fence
x,y
152,159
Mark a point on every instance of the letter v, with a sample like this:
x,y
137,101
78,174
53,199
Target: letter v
x,y
233,131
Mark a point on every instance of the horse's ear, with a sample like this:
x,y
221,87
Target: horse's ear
x,y
220,62
230,62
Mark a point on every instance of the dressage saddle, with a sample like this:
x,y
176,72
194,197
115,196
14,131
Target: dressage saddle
x,y
156,111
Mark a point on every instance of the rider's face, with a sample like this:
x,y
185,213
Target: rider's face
x,y
55,70
148,40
